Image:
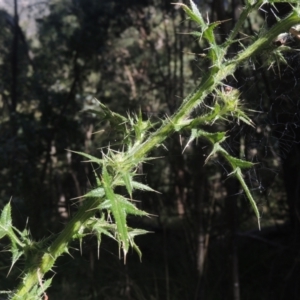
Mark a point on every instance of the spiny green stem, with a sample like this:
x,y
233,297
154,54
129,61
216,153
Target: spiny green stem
x,y
58,247
282,26
209,83
241,20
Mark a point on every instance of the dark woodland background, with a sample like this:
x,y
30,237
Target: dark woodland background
x,y
135,55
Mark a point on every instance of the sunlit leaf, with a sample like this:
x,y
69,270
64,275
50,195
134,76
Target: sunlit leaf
x,y
240,163
129,207
95,193
194,14
116,120
195,133
243,117
80,235
117,211
105,205
239,176
196,33
5,218
216,148
215,137
132,233
143,187
16,254
128,182
100,226
90,157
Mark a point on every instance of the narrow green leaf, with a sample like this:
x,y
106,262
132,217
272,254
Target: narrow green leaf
x,y
238,163
98,180
16,254
142,187
209,33
80,235
195,133
132,233
92,158
239,176
196,14
134,184
105,205
196,33
99,227
216,137
5,220
95,193
128,182
245,119
113,117
3,231
117,211
116,120
129,207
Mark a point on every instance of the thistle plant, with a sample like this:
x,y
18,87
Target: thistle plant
x,y
118,168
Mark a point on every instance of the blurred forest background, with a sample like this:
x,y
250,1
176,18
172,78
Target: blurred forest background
x,y
56,57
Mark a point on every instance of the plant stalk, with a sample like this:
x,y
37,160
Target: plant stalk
x,y
209,82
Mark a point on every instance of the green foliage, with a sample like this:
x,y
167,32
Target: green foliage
x,y
105,209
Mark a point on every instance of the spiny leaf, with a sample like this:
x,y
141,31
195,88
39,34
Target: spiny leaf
x,y
132,233
128,207
117,211
105,205
193,13
128,182
195,133
16,254
215,137
216,148
209,34
80,235
95,193
196,33
142,187
105,113
243,117
98,180
112,116
195,9
238,163
239,176
92,158
135,185
5,220
99,228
